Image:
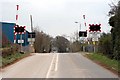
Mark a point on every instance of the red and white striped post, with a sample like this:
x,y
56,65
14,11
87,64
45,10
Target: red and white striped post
x,y
84,20
16,23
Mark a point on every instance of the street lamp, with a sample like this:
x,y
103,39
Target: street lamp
x,y
79,23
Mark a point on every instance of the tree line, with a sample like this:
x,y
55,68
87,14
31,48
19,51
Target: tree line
x,y
45,43
109,44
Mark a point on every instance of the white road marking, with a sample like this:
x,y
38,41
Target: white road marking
x,y
56,63
47,76
0,75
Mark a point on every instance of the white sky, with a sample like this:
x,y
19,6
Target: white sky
x,y
57,17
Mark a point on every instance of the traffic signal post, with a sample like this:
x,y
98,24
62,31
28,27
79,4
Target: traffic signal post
x,y
20,30
82,33
94,30
21,42
31,38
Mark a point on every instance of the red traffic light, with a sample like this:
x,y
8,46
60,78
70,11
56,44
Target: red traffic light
x,y
94,27
19,30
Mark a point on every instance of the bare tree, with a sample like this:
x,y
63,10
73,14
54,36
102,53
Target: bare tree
x,y
75,36
42,42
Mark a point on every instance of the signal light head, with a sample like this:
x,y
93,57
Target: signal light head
x,y
94,27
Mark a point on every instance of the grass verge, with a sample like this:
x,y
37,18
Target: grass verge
x,y
106,62
5,61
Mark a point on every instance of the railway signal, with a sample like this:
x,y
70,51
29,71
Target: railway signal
x,y
31,35
31,38
94,27
82,33
19,30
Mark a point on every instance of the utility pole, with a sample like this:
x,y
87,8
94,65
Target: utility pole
x,y
31,35
31,23
31,28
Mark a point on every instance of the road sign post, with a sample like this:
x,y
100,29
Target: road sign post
x,y
82,33
21,42
31,39
20,30
94,46
95,30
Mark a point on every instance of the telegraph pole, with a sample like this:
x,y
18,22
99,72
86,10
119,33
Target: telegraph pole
x,y
31,28
32,34
31,23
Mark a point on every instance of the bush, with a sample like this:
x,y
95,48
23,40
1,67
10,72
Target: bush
x,y
105,45
11,58
10,50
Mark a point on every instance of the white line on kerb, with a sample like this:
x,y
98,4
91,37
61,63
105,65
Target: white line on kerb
x,y
56,63
47,76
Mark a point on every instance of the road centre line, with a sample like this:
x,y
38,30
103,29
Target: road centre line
x,y
47,76
56,63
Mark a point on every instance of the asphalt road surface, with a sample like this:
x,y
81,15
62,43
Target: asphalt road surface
x,y
56,65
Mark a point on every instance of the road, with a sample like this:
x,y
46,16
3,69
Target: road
x,y
56,65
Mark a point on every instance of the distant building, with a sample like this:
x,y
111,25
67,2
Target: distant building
x,y
8,33
0,35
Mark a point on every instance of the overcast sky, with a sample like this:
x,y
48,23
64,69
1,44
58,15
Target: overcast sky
x,y
57,17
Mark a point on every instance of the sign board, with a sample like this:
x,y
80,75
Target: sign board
x,y
31,35
20,41
94,35
94,32
94,39
31,43
31,39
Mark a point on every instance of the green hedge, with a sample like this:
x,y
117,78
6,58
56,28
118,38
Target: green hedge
x,y
11,58
10,50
